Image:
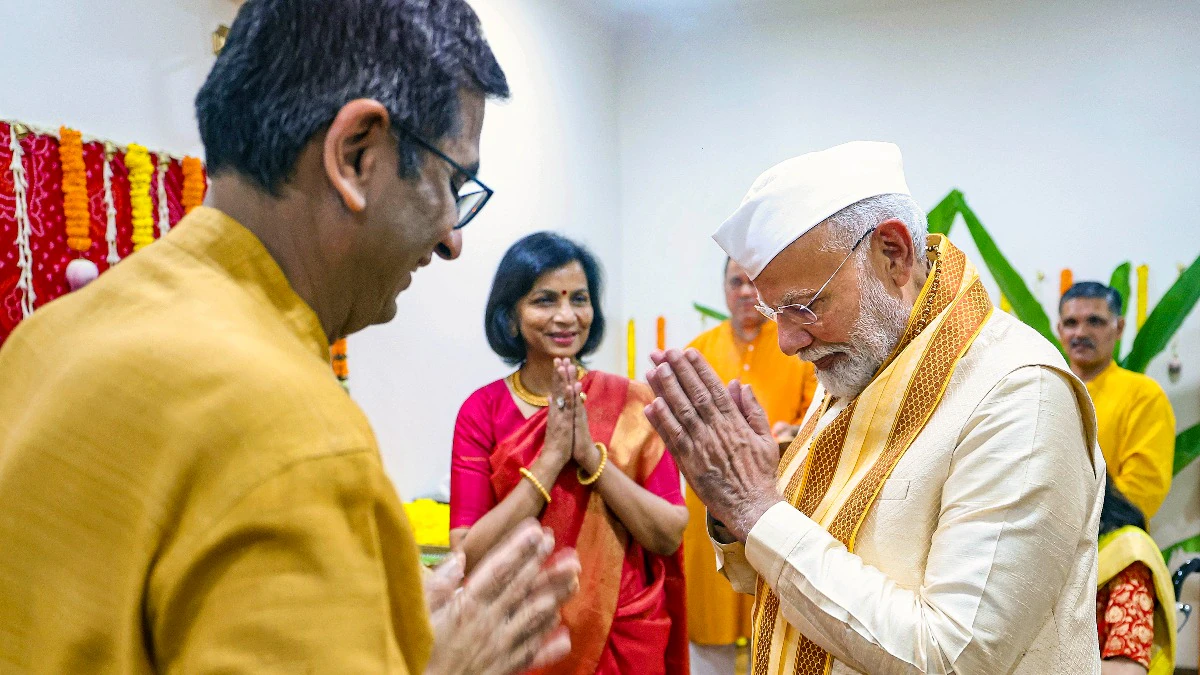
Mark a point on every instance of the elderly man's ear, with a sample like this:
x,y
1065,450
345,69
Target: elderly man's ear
x,y
893,239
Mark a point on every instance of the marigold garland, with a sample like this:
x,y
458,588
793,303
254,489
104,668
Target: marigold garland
x,y
193,184
76,204
74,189
77,231
137,160
341,367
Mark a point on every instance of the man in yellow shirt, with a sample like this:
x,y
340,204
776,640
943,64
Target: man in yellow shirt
x,y
1136,423
184,487
745,348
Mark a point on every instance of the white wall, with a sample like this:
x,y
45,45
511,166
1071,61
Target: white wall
x,y
127,71
550,154
1069,126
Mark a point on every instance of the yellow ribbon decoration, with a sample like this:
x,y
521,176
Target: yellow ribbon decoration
x,y
631,351
1143,294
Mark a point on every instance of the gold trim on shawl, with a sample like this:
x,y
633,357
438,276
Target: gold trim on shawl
x,y
801,439
851,457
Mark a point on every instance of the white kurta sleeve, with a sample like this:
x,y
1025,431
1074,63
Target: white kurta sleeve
x,y
1014,505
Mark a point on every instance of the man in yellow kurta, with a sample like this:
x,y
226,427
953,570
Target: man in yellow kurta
x,y
184,487
744,347
1137,424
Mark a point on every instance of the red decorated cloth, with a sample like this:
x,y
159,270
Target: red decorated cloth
x,y
629,614
1125,615
44,198
10,307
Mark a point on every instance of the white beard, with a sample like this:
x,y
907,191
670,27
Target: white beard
x,y
881,321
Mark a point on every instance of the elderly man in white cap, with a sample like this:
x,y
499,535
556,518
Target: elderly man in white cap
x,y
938,511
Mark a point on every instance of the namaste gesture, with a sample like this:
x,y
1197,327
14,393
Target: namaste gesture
x,y
718,435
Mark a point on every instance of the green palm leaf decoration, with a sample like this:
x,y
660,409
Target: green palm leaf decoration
x,y
1120,282
941,217
709,312
1189,545
1153,337
1025,306
1165,319
1187,447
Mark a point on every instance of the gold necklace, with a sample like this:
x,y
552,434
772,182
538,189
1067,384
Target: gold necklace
x,y
528,396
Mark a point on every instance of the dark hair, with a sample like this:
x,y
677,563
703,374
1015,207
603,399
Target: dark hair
x,y
519,270
288,67
1118,511
1093,289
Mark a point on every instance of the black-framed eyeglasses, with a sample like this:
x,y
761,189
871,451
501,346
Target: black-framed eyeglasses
x,y
472,195
802,313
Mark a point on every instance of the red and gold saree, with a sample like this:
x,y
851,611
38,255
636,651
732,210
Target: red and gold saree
x,y
629,614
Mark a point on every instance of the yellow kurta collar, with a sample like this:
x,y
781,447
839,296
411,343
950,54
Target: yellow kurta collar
x,y
1098,381
224,244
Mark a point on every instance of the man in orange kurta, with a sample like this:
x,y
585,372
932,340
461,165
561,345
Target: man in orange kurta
x,y
744,347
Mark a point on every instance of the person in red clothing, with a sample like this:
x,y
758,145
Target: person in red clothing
x,y
573,448
1135,602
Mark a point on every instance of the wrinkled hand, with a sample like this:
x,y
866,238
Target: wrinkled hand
x,y
719,437
443,581
505,619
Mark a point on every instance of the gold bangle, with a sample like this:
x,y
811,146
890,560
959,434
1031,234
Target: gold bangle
x,y
586,480
536,483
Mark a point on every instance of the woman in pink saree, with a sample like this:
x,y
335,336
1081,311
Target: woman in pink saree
x,y
573,448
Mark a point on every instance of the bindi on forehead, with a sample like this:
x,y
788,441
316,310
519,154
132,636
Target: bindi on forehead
x,y
557,292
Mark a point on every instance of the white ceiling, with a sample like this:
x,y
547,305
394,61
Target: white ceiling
x,y
693,10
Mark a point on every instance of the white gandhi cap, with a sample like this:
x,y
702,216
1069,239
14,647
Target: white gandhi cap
x,y
796,195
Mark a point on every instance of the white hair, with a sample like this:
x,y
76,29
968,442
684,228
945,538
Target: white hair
x,y
882,317
846,226
876,332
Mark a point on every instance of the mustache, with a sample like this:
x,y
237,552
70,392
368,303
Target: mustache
x,y
1083,342
818,352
